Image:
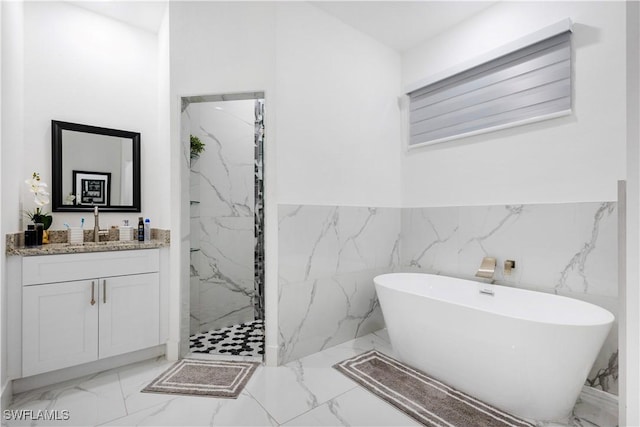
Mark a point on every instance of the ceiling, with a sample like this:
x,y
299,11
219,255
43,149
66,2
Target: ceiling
x,y
142,14
400,25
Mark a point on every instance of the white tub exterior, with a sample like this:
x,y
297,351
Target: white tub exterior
x,y
525,352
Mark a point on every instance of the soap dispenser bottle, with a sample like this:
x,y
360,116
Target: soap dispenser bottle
x,y
140,230
126,231
30,238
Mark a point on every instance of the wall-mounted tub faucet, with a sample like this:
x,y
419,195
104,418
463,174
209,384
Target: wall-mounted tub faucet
x,y
486,271
487,268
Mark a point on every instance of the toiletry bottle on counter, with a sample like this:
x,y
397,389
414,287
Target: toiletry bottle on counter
x,y
140,230
30,236
147,230
126,231
39,233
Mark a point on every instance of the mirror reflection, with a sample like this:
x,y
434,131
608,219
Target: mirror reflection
x,y
95,166
101,169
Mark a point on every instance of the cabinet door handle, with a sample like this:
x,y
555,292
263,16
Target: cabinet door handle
x,y
104,291
93,289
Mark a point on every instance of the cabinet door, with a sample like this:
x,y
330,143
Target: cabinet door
x,y
129,313
59,326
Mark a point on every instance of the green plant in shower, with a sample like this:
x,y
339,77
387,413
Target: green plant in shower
x,y
197,146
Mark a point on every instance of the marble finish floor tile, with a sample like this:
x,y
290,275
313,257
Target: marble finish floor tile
x,y
290,390
200,411
305,392
89,400
356,407
135,377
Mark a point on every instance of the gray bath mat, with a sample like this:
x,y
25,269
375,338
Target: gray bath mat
x,y
428,401
212,378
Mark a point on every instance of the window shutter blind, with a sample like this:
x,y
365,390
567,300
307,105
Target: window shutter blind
x,y
529,84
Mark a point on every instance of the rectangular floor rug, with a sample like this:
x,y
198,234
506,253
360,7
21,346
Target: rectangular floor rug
x,y
212,378
423,398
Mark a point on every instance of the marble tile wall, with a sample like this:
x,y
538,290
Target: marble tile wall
x,y
222,215
568,249
329,255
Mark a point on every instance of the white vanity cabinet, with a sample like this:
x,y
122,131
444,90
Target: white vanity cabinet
x,y
79,308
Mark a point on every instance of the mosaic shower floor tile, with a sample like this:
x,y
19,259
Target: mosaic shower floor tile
x,y
246,339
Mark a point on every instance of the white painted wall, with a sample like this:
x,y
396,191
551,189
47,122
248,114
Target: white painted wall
x,y
629,408
335,138
66,63
575,158
10,152
159,158
338,123
219,48
86,68
164,160
3,295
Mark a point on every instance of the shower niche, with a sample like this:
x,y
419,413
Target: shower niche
x,y
226,224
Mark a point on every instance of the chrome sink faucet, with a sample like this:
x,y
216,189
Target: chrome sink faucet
x,y
96,226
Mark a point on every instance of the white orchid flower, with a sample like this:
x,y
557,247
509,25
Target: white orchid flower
x,y
39,188
41,199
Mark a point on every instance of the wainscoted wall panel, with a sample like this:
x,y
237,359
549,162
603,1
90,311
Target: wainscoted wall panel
x,y
328,256
569,249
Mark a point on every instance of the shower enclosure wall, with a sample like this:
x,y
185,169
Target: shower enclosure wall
x,y
226,222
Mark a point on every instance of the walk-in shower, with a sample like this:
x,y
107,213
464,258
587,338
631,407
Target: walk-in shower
x,y
226,224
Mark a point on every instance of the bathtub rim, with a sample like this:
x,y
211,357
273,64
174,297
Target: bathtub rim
x,y
610,321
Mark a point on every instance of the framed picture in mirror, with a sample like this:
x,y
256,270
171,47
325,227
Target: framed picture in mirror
x,y
92,188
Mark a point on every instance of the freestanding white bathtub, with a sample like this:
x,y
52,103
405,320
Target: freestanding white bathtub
x,y
525,352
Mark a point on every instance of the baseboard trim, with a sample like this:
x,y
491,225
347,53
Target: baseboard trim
x,y
173,350
271,355
599,398
606,403
21,385
6,395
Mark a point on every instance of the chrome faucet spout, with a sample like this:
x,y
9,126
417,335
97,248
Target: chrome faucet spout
x,y
96,225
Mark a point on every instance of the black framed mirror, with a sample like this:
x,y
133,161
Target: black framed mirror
x,y
94,166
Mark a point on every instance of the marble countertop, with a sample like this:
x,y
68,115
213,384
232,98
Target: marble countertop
x,y
15,244
68,248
